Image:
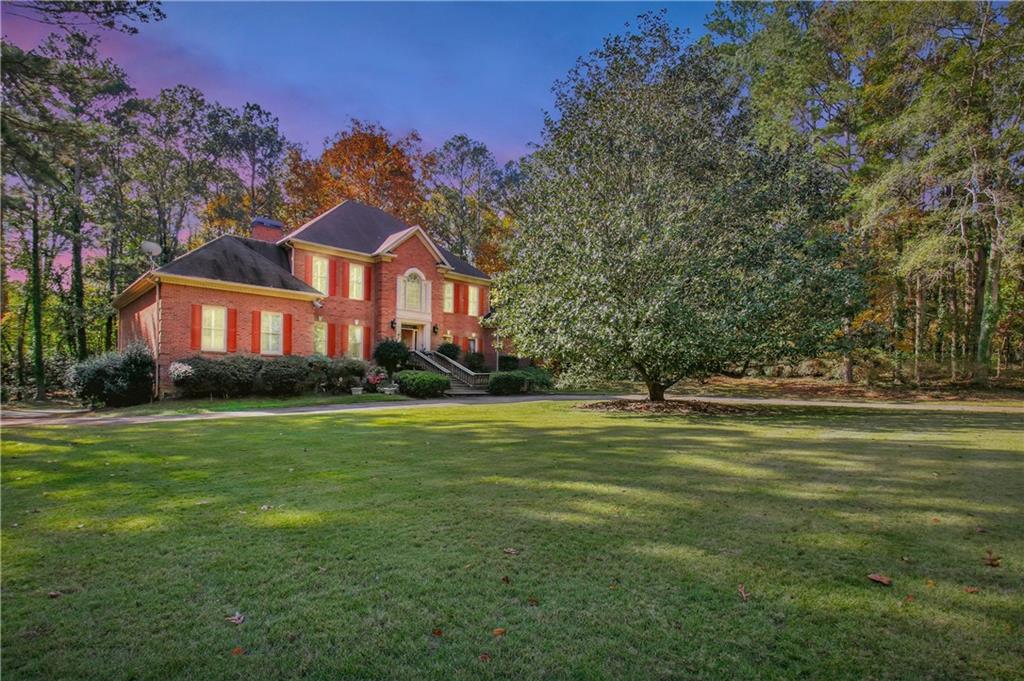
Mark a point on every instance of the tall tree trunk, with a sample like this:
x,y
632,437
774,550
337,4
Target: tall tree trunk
x,y
976,292
918,327
36,295
989,318
77,275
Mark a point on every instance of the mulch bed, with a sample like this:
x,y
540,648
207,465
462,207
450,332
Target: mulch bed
x,y
667,407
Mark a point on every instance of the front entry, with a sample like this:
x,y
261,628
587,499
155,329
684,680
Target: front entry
x,y
411,336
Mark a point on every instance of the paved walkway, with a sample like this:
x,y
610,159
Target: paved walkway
x,y
11,418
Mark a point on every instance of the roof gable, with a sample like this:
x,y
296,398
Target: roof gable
x,y
239,261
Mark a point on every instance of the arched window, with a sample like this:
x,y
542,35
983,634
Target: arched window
x,y
413,292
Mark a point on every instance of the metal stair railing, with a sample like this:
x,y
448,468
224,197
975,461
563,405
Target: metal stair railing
x,y
424,361
461,373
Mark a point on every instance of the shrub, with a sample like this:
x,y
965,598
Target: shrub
x,y
540,378
319,372
475,361
507,383
508,362
284,376
422,383
390,354
347,373
116,379
449,350
200,377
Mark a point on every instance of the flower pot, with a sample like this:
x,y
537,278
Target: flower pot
x,y
357,391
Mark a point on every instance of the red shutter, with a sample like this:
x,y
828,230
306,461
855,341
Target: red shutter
x,y
344,338
232,329
344,278
366,343
256,332
197,327
286,331
330,340
465,299
455,340
483,301
465,345
333,270
307,276
367,278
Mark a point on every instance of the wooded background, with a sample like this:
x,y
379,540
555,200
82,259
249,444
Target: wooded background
x,y
914,108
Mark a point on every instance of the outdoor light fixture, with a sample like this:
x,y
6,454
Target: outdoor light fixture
x,y
394,325
434,329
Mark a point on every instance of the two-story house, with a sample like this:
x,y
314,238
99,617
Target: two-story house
x,y
336,286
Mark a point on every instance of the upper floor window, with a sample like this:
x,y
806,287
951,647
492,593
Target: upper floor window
x,y
319,277
449,296
215,328
413,298
474,301
271,333
320,338
356,281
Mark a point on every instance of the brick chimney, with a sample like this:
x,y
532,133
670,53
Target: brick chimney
x,y
266,229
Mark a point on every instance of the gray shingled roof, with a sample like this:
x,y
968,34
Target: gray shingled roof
x,y
355,226
240,261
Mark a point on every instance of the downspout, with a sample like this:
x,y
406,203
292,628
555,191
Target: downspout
x,y
159,334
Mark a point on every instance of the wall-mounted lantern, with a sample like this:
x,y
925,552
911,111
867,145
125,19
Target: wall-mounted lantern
x,y
394,325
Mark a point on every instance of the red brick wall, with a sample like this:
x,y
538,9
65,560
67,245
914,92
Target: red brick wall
x,y
176,323
137,321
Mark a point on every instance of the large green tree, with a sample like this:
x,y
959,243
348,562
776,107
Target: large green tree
x,y
656,237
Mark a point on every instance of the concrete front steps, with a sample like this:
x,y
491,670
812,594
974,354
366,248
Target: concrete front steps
x,y
464,383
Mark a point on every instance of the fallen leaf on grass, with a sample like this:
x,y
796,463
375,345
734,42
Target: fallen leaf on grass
x,y
880,579
744,594
908,599
971,589
532,601
980,530
55,594
484,657
266,507
935,520
436,633
506,580
499,631
511,551
906,559
238,650
992,560
237,618
930,583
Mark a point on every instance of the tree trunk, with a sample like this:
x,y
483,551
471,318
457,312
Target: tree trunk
x,y
36,276
976,298
847,351
77,275
918,327
655,391
989,319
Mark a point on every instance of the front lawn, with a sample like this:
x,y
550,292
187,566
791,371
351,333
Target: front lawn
x,y
206,406
517,541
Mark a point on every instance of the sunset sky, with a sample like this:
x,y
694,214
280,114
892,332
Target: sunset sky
x,y
481,69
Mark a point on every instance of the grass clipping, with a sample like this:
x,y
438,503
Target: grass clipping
x,y
666,407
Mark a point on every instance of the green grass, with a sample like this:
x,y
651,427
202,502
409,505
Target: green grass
x,y
633,534
205,406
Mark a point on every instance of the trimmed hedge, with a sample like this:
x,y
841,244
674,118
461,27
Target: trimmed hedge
x,y
115,379
449,350
507,383
422,383
475,361
508,362
519,381
238,376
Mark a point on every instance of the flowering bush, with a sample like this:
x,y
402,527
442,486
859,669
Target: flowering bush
x,y
375,377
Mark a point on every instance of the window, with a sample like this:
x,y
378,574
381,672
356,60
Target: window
x,y
413,293
356,275
320,338
271,335
319,278
474,301
449,296
355,341
471,345
215,329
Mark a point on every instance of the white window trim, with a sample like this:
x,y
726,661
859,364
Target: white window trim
x,y
202,329
264,318
357,330
473,310
326,290
449,303
422,314
316,328
352,268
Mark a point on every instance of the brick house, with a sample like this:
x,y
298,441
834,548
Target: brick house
x,y
336,286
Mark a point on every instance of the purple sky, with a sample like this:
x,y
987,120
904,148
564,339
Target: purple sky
x,y
485,70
